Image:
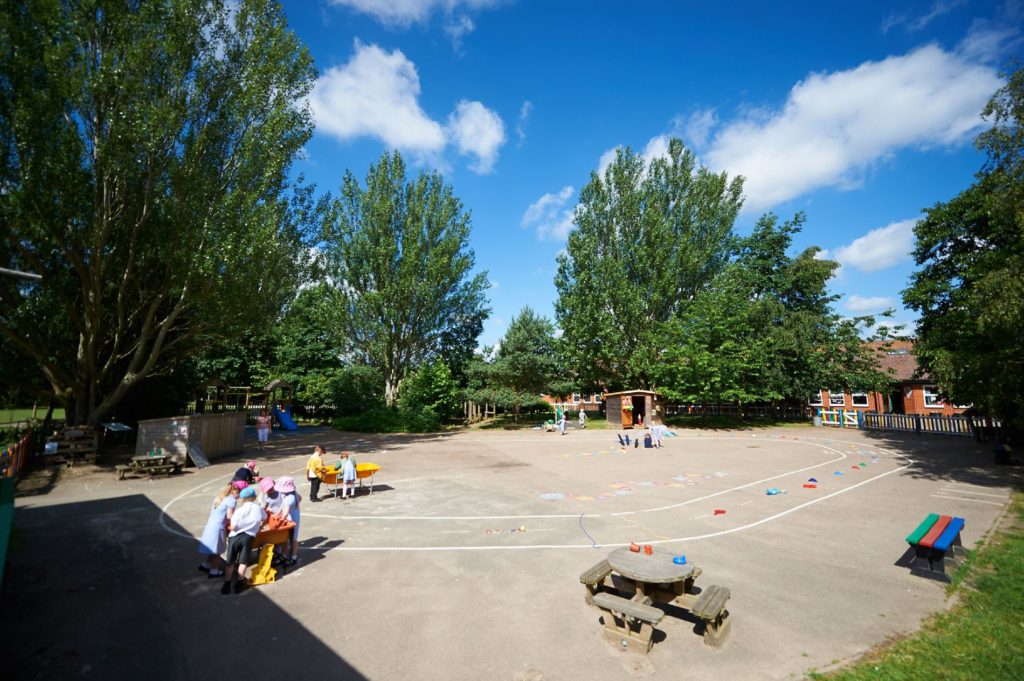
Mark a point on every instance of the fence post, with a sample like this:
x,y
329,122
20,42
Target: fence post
x,y
917,424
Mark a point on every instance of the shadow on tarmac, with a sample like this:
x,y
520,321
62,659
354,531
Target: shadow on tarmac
x,y
98,589
950,458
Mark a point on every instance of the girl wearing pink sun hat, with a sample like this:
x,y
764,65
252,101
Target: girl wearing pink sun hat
x,y
290,500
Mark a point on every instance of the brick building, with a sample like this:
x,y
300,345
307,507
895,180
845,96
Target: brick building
x,y
908,394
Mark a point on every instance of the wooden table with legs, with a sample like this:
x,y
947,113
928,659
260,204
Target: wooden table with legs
x,y
638,582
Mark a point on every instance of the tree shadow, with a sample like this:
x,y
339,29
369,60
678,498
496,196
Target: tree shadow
x,y
96,588
948,458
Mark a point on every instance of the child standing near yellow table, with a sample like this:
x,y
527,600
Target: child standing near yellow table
x,y
348,475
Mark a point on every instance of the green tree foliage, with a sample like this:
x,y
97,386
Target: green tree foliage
x,y
765,330
969,288
308,348
357,389
144,156
524,366
432,387
400,255
648,238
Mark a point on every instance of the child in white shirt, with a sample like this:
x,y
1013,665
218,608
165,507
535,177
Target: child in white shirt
x,y
245,524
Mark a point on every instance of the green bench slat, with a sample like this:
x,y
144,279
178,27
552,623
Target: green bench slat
x,y
922,529
943,542
633,609
937,529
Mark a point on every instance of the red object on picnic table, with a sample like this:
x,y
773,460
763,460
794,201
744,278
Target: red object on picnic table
x,y
809,485
648,549
719,511
635,548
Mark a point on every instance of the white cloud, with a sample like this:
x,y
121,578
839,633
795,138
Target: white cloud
x,y
937,9
551,214
606,160
376,94
476,130
865,304
879,248
697,128
404,13
655,147
834,126
524,117
987,41
457,28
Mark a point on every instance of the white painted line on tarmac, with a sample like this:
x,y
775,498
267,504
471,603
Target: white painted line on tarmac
x,y
953,490
977,501
710,535
164,516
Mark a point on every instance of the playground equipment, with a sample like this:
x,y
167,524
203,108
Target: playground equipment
x,y
285,418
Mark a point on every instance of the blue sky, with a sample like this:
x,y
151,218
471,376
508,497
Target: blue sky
x,y
860,114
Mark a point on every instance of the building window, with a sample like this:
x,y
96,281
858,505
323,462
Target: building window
x,y
859,399
575,398
597,399
931,397
836,398
815,400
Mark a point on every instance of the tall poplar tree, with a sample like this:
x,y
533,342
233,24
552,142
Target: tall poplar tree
x,y
400,257
648,237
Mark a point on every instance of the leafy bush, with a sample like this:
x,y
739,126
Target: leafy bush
x,y
432,386
358,389
384,420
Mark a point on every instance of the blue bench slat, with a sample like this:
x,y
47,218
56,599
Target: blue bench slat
x,y
947,537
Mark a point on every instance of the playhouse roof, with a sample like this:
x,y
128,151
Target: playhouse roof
x,y
278,383
632,392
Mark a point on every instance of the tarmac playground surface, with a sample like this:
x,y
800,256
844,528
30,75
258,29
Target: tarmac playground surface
x,y
464,562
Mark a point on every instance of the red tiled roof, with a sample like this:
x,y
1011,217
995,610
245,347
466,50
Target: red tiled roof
x,y
899,356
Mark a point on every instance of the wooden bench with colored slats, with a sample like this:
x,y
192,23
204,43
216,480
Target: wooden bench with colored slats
x,y
934,544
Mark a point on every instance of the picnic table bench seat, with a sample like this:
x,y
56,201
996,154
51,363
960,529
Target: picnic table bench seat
x,y
595,579
934,545
630,623
710,607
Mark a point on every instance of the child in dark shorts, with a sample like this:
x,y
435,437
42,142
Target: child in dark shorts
x,y
245,523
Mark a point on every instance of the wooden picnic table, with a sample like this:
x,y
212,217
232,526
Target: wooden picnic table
x,y
628,584
150,464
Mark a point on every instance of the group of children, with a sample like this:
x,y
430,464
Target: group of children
x,y
239,511
345,470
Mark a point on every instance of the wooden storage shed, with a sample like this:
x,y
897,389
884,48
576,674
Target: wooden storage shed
x,y
216,435
627,408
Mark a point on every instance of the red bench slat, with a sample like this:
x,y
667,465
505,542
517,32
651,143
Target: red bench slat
x,y
937,529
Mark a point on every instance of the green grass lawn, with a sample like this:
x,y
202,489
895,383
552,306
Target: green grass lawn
x,y
14,415
982,637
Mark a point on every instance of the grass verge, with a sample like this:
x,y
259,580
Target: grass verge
x,y
982,637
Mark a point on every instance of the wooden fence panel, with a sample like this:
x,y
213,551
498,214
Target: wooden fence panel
x,y
916,423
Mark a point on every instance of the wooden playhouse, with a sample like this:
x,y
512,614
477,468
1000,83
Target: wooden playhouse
x,y
635,408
